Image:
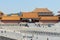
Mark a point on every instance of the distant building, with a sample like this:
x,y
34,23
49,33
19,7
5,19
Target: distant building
x,y
37,15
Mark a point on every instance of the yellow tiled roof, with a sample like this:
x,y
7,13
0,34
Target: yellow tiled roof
x,y
10,18
41,10
29,15
49,18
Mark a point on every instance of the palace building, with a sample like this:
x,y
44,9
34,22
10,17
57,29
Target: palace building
x,y
37,15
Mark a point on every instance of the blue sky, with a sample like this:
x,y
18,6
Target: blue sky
x,y
12,6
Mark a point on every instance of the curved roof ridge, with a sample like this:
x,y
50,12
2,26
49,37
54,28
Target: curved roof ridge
x,y
41,10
